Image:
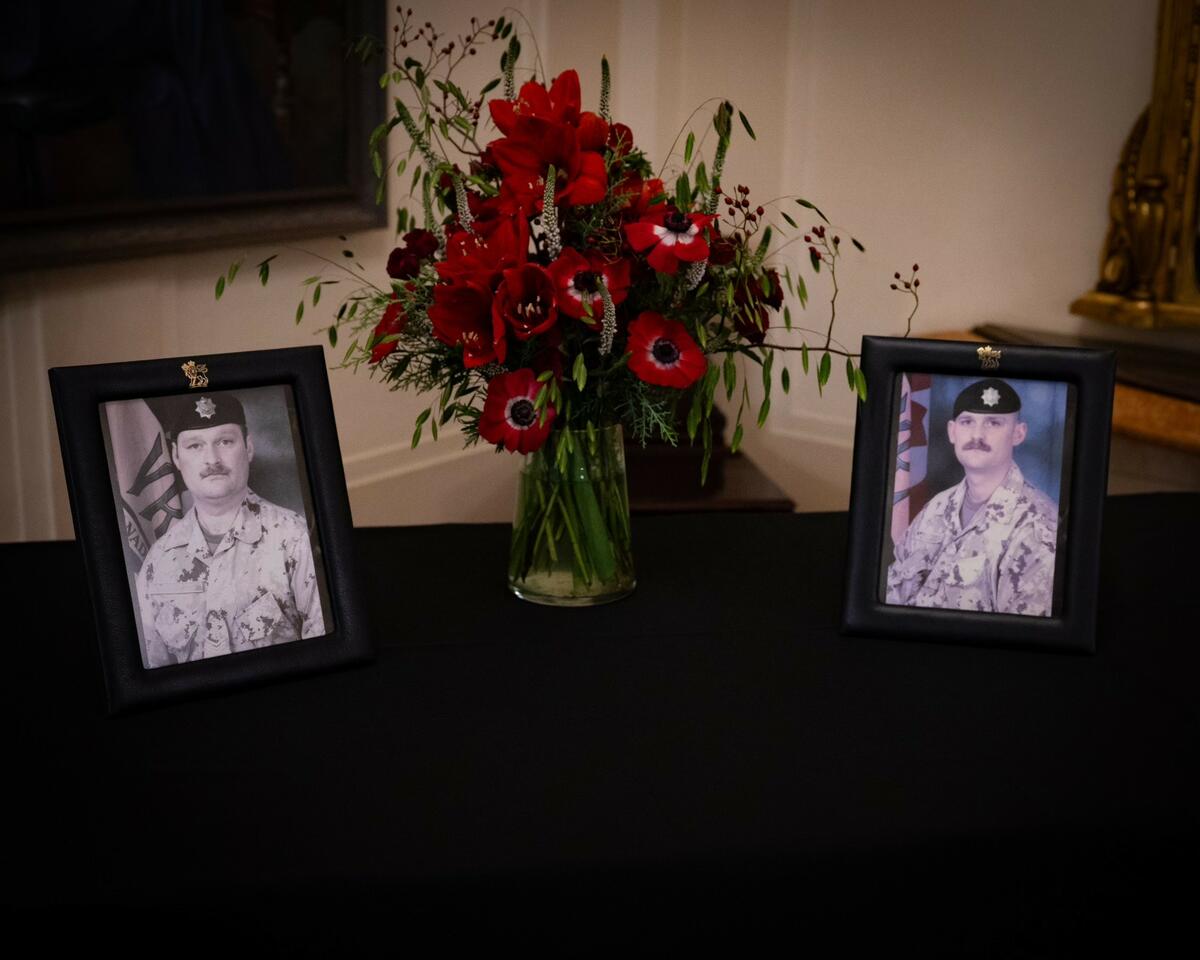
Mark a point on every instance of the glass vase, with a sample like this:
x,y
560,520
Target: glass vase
x,y
571,543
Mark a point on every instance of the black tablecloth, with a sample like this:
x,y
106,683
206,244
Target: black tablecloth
x,y
710,745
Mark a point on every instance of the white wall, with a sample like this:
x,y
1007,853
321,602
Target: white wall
x,y
974,136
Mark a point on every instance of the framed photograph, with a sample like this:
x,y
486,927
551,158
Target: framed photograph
x,y
210,504
979,481
203,124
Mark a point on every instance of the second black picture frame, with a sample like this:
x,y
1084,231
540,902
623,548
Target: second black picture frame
x,y
980,474
210,506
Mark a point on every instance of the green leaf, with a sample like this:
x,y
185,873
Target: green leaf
x,y
704,461
730,376
220,286
858,246
316,294
702,178
813,206
380,190
580,372
850,374
348,254
787,317
342,310
683,192
490,86
233,269
433,429
791,223
815,259
711,379
763,411
766,372
764,244
693,419
688,147
264,269
416,178
737,438
544,376
801,290
823,370
804,357
746,124
333,336
785,379
401,220
377,164
424,415
416,436
385,80
300,311
860,383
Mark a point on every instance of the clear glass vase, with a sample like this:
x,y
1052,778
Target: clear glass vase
x,y
571,543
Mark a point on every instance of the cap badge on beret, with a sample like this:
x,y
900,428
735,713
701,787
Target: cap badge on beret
x,y
991,396
206,408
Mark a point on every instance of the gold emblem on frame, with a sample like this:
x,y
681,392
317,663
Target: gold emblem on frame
x,y
197,374
989,358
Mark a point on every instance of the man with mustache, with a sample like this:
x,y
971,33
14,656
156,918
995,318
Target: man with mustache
x,y
987,543
236,572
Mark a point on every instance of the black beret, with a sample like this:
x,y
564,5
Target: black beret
x,y
200,411
987,396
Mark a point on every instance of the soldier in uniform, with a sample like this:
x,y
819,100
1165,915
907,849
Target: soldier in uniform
x,y
236,571
987,543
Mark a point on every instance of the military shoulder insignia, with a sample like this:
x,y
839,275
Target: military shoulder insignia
x,y
206,408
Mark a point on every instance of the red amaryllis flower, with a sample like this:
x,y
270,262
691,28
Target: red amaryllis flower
x,y
663,353
559,104
509,416
461,316
393,322
525,301
404,262
640,196
670,236
534,145
577,284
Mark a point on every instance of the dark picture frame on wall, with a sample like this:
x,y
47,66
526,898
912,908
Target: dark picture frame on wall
x,y
210,507
144,127
980,473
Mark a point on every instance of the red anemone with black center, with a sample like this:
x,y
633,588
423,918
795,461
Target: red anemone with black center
x,y
577,284
509,417
662,352
671,236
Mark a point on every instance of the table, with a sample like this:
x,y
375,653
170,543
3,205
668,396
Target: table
x,y
706,755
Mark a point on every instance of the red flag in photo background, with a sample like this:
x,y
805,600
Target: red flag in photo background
x,y
148,490
911,491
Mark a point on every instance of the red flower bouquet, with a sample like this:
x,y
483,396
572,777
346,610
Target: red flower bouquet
x,y
557,288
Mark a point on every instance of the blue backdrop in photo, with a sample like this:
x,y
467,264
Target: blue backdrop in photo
x,y
1040,457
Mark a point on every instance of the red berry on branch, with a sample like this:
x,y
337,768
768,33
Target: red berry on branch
x,y
916,283
808,239
915,268
897,274
894,287
759,211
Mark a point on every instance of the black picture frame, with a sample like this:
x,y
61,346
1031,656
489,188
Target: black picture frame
x,y
1072,625
94,231
79,393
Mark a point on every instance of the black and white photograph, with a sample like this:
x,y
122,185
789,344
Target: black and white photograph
x,y
209,501
212,496
977,494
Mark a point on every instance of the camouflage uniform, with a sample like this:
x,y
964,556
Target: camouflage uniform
x,y
256,588
1002,562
